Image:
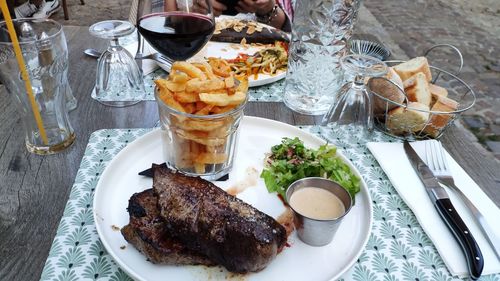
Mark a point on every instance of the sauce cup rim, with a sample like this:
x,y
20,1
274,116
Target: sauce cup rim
x,y
331,182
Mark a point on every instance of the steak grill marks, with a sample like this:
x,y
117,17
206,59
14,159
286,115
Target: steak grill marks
x,y
208,220
187,220
146,231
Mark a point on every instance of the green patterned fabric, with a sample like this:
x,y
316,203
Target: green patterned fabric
x,y
397,249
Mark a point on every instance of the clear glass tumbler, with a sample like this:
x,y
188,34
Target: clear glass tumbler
x,y
319,39
46,58
199,145
119,80
27,33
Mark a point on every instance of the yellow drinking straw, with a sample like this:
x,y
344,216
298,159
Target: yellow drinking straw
x,y
22,67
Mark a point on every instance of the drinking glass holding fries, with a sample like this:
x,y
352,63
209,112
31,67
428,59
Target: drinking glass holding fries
x,y
200,109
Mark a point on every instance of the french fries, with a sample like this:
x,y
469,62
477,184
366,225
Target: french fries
x,y
201,145
189,69
198,85
223,99
211,158
186,97
220,67
175,87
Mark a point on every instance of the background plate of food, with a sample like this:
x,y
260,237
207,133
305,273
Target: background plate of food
x,y
297,261
250,48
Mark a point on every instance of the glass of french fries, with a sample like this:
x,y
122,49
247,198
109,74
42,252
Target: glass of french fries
x,y
200,110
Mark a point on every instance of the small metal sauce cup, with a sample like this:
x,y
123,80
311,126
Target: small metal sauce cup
x,y
312,231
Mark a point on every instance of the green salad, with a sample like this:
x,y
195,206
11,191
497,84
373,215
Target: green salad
x,y
291,160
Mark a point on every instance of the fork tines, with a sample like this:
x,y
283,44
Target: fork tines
x,y
436,159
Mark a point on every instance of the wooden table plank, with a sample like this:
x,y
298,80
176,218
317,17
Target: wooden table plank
x,y
479,163
34,189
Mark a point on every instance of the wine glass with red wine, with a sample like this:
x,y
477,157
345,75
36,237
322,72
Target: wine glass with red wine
x,y
177,29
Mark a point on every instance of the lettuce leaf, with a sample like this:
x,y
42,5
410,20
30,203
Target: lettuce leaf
x,y
291,161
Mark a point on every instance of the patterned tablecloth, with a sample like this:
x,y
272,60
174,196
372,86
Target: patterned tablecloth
x,y
397,249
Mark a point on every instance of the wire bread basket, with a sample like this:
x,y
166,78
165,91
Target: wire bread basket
x,y
408,120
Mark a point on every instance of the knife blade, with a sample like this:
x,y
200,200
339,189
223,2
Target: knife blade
x,y
448,213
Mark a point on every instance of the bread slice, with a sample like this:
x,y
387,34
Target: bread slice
x,y
417,89
436,92
412,67
405,120
438,121
388,91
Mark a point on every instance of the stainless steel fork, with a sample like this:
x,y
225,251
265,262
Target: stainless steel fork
x,y
436,160
156,57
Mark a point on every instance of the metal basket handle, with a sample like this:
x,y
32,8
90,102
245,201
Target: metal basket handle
x,y
457,51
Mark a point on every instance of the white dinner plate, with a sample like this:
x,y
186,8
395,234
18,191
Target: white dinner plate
x,y
231,51
297,262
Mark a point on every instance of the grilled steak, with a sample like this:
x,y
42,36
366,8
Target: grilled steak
x,y
146,231
210,221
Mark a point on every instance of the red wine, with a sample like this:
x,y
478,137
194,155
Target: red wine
x,y
176,35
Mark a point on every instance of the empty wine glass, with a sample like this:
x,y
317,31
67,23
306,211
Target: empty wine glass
x,y
353,108
119,81
176,29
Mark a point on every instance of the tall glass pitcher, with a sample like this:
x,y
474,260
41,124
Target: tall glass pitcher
x,y
320,31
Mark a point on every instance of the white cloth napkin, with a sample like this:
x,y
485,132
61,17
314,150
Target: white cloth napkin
x,y
148,66
393,160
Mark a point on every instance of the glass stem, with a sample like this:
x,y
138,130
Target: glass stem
x,y
359,85
359,82
114,46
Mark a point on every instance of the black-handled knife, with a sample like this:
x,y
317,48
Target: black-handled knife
x,y
441,200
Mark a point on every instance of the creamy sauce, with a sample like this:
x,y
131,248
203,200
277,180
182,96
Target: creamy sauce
x,y
317,203
251,178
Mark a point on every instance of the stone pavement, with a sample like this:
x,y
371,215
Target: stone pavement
x,y
407,27
93,11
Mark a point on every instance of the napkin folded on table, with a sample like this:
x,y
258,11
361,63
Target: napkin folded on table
x,y
148,66
393,160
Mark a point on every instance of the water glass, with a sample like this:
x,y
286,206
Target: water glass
x,y
199,145
353,108
46,56
119,80
320,32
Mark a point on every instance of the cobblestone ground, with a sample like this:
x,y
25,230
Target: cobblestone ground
x,y
93,11
408,27
473,27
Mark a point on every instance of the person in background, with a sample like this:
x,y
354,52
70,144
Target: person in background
x,y
276,13
37,9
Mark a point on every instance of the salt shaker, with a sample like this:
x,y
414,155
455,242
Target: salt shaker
x,y
46,58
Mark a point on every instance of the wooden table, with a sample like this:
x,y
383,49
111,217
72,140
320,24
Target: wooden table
x,y
34,189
